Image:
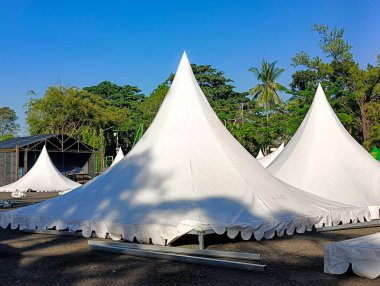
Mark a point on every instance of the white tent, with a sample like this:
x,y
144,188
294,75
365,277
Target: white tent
x,y
119,156
362,252
260,155
322,158
187,172
268,159
42,177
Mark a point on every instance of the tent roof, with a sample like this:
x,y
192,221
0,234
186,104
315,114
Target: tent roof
x,y
42,177
260,155
268,159
322,158
187,172
119,156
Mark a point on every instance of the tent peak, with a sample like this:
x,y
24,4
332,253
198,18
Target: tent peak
x,y
184,63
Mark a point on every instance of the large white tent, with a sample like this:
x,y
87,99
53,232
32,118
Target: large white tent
x,y
322,158
119,156
268,159
187,172
42,177
362,252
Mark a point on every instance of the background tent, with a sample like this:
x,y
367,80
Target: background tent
x,y
119,156
322,158
42,177
187,172
260,155
268,159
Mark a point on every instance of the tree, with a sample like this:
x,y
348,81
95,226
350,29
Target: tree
x,y
118,96
350,89
71,111
8,123
266,92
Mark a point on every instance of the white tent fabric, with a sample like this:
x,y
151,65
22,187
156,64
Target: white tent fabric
x,y
322,158
187,172
260,155
362,252
42,177
119,156
268,159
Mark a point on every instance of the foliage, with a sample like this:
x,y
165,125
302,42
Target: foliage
x,y
350,89
8,123
72,111
266,92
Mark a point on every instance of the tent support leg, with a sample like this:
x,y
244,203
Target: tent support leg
x,y
201,239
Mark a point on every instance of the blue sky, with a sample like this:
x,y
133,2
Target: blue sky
x,y
82,43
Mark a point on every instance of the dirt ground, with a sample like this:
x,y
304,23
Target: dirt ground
x,y
37,259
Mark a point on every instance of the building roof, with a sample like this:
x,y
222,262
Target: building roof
x,y
53,142
23,141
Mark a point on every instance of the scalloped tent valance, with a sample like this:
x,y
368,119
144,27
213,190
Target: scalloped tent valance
x,y
187,172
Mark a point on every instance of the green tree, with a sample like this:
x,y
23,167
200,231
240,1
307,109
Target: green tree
x,y
350,89
266,92
71,111
8,123
118,96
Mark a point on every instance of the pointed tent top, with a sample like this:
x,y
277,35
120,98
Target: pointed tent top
x,y
187,172
260,155
184,63
42,177
119,156
268,159
322,158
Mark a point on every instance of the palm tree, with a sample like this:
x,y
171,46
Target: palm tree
x,y
266,92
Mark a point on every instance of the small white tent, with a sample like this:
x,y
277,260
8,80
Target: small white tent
x,y
322,158
362,252
119,156
260,155
268,159
42,177
187,172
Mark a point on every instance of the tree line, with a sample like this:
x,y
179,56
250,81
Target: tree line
x,y
258,118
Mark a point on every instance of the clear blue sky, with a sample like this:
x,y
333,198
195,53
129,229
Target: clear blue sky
x,y
82,43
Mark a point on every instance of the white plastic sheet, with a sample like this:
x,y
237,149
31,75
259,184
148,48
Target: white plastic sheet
x,y
363,253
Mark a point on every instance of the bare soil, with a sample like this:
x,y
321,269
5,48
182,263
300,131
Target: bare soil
x,y
38,259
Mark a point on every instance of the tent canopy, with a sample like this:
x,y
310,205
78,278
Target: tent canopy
x,y
322,158
119,156
187,172
42,177
260,155
268,159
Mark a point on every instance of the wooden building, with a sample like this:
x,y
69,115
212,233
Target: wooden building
x,y
70,156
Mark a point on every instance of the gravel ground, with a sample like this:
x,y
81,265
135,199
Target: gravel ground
x,y
37,259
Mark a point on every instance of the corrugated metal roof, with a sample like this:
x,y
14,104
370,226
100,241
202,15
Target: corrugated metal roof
x,y
22,141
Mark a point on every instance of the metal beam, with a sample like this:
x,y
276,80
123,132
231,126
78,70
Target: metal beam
x,y
181,258
349,226
178,250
